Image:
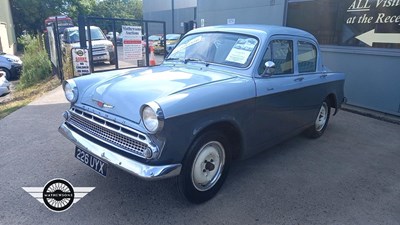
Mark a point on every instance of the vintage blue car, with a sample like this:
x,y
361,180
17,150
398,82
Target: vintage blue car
x,y
224,93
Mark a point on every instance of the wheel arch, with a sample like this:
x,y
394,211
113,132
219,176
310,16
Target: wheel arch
x,y
232,132
7,70
332,101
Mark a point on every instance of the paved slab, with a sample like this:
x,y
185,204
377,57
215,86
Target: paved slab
x,y
351,175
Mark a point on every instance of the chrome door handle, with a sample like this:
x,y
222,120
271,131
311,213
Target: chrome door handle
x,y
323,75
299,79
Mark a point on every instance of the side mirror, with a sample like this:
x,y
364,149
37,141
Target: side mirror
x,y
269,68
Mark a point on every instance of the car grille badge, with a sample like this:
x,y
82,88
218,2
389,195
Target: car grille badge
x,y
103,104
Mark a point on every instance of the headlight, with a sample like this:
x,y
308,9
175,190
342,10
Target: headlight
x,y
153,117
70,90
110,48
12,60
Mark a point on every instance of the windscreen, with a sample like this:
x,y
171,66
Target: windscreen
x,y
96,34
219,48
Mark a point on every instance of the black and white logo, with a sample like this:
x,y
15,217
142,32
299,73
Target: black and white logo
x,y
58,194
80,52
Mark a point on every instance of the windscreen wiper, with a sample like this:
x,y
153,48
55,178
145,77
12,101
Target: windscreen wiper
x,y
196,60
172,59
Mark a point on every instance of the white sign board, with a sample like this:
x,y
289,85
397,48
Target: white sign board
x,y
52,45
241,50
132,42
80,59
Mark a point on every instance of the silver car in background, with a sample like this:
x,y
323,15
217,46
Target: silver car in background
x,y
11,65
4,84
102,49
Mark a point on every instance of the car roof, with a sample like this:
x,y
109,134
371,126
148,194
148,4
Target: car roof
x,y
76,28
255,29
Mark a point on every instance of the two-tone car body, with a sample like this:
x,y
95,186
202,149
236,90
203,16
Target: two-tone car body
x,y
224,93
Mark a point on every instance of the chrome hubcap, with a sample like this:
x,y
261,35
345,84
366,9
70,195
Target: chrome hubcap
x,y
322,117
208,165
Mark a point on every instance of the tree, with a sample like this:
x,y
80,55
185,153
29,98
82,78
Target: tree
x,y
29,15
119,8
79,7
130,9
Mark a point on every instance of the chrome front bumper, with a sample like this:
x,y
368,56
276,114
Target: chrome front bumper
x,y
136,168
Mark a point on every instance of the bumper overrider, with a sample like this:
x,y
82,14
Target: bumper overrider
x,y
141,170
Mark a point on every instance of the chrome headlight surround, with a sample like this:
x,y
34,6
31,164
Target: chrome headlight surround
x,y
70,90
152,117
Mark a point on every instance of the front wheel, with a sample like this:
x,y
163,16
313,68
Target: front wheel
x,y
321,122
8,73
113,61
205,167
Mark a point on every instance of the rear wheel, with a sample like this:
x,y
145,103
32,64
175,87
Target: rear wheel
x,y
205,167
321,122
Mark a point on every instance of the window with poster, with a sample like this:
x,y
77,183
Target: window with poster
x,y
358,23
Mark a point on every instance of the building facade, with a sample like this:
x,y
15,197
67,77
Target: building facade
x,y
358,37
173,12
8,42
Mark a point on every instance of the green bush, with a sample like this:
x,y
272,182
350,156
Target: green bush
x,y
68,69
37,66
23,40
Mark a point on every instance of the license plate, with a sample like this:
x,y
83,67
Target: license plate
x,y
93,162
98,57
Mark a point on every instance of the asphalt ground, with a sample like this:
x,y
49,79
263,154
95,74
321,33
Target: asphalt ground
x,y
351,175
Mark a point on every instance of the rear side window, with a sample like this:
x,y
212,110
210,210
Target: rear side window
x,y
307,57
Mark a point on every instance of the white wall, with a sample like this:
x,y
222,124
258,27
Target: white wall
x,y
7,33
5,45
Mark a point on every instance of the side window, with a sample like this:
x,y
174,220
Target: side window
x,y
307,57
65,36
281,53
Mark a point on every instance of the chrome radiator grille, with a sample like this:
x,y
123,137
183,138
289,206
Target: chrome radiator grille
x,y
109,132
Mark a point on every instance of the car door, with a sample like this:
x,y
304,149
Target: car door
x,y
276,94
313,87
